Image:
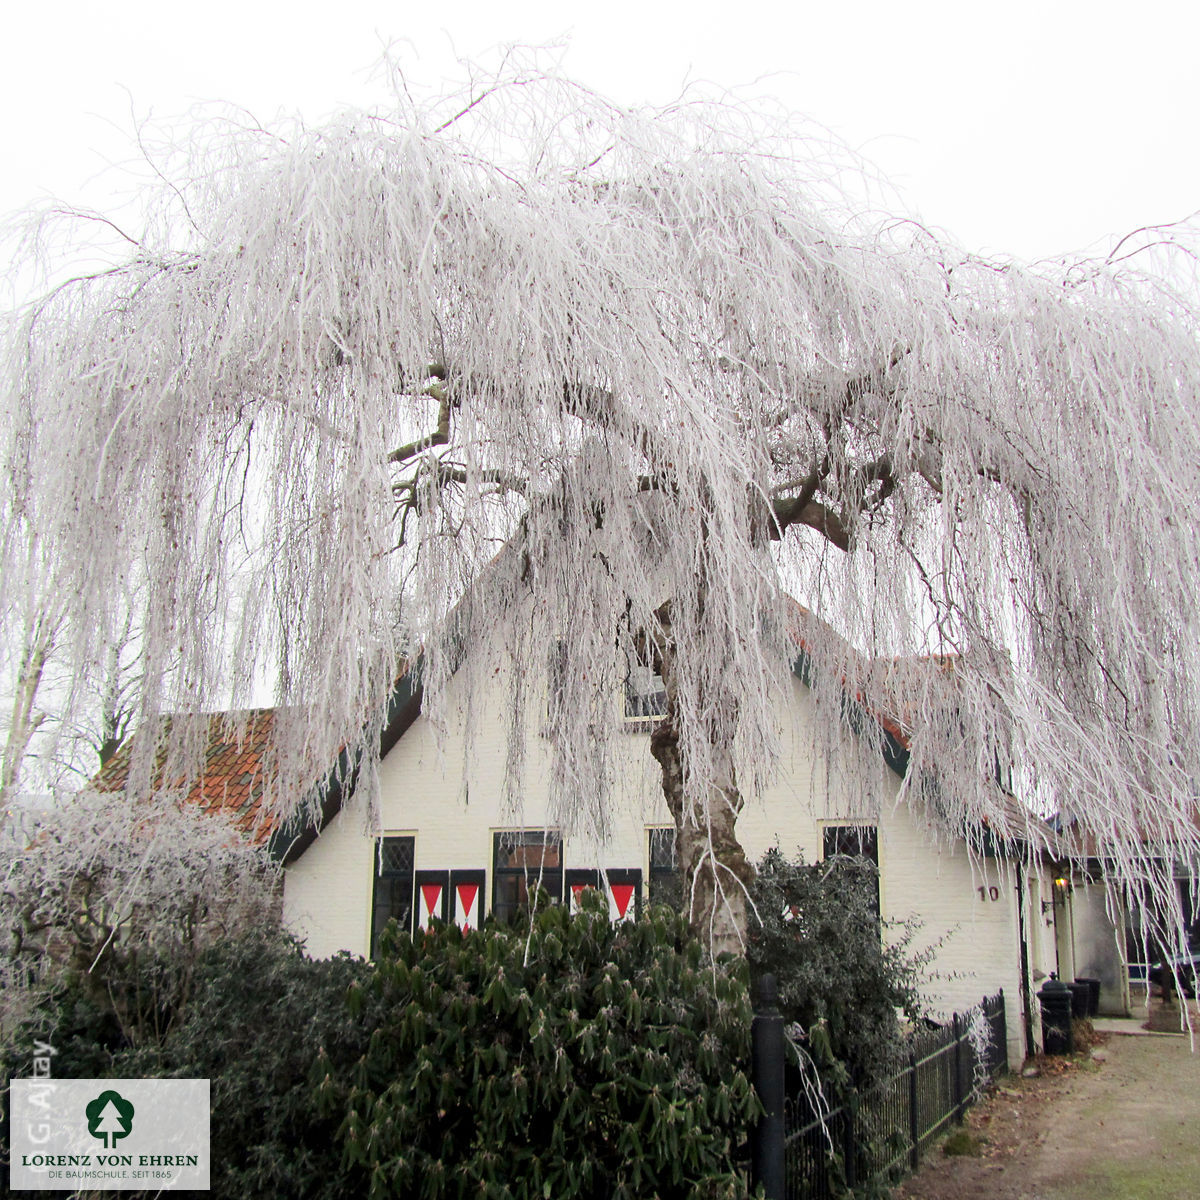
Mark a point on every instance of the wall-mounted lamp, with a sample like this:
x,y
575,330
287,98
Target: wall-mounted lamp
x,y
1062,888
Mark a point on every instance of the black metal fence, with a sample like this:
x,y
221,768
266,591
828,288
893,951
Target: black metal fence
x,y
880,1134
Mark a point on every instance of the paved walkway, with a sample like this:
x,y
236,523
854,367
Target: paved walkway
x,y
1151,1019
1124,1125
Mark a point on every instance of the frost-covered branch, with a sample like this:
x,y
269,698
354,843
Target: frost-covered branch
x,y
672,372
440,435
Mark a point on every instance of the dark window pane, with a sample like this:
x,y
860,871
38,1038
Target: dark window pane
x,y
645,693
855,841
510,896
522,860
397,855
528,848
662,849
393,891
665,884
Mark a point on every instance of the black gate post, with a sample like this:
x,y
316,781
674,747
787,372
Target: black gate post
x,y
850,1141
1002,1056
958,1025
766,1034
914,1108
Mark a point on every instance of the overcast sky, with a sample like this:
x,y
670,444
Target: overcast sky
x,y
1021,128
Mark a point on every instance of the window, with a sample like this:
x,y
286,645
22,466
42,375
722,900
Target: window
x,y
666,884
393,892
645,692
523,859
854,841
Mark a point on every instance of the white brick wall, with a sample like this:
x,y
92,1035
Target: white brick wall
x,y
327,891
1099,947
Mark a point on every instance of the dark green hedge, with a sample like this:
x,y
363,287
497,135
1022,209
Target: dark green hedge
x,y
565,1058
569,1057
251,1016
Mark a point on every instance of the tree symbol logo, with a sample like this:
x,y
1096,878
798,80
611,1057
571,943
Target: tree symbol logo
x,y
109,1117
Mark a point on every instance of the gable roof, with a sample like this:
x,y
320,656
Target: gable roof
x,y
236,768
290,839
859,712
1012,823
236,776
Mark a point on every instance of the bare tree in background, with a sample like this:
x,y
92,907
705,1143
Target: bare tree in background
x,y
343,366
66,719
97,883
34,614
112,696
34,647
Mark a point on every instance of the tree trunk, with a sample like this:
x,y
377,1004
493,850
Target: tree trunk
x,y
25,721
711,860
709,856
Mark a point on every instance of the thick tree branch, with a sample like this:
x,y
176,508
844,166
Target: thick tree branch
x,y
804,509
497,478
815,515
439,437
807,487
879,471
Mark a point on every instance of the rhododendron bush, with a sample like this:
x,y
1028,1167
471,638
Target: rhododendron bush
x,y
609,385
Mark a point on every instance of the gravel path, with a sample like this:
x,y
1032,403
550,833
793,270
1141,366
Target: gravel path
x,y
1124,1125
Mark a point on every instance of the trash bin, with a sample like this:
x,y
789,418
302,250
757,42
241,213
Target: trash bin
x,y
1093,995
1055,999
1081,996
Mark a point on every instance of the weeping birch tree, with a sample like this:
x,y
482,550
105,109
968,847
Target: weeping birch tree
x,y
520,368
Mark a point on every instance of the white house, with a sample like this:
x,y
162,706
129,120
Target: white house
x,y
447,846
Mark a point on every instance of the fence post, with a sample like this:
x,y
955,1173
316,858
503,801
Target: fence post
x,y
766,1037
849,1143
958,1080
1003,1062
914,1116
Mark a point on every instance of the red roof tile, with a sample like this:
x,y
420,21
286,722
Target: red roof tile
x,y
235,774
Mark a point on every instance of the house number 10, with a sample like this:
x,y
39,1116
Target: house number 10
x,y
988,893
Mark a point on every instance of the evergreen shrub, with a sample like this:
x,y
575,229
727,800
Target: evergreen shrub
x,y
250,1015
566,1057
563,1057
843,977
